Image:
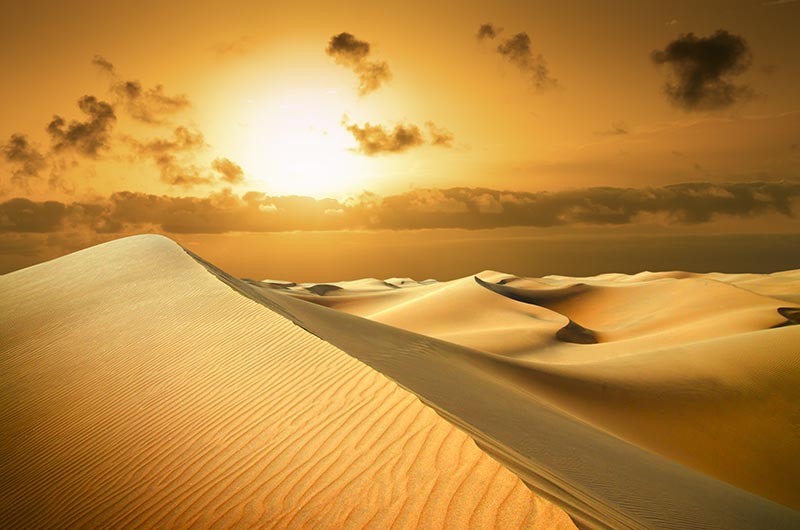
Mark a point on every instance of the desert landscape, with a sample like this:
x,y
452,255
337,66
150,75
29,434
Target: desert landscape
x,y
144,387
521,264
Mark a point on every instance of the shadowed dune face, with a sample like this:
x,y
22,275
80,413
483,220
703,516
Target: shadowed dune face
x,y
139,391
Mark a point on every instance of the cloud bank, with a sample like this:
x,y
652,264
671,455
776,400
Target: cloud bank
x,y
469,208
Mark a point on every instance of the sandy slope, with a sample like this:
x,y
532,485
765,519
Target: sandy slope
x,y
139,391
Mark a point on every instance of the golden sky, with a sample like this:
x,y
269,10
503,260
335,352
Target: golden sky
x,y
196,117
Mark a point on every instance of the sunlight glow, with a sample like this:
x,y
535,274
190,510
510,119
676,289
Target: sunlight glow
x,y
296,145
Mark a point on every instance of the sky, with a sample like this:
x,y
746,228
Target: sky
x,y
239,127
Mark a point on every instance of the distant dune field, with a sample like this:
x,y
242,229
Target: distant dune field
x,y
143,387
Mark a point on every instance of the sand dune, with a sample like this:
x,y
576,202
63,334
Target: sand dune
x,y
698,370
144,389
138,391
647,311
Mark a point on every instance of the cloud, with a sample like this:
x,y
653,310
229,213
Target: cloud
x,y
702,68
148,105
440,136
517,50
103,64
229,171
92,137
347,50
174,158
469,208
163,152
151,105
28,161
176,173
376,139
487,31
88,137
476,208
26,216
183,139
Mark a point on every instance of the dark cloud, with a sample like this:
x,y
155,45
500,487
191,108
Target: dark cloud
x,y
24,215
702,69
347,48
378,139
25,158
103,64
148,105
88,138
470,208
484,208
488,31
229,171
348,51
517,49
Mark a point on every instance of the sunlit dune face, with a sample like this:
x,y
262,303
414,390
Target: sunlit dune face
x,y
295,145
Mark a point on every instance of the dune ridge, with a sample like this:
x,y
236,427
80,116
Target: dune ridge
x,y
140,392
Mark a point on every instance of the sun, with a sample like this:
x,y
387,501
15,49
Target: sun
x,y
296,145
